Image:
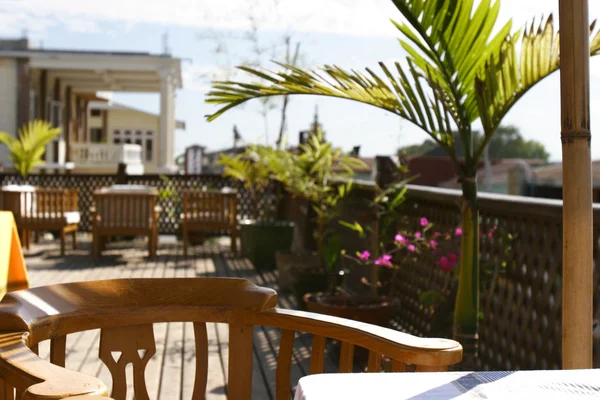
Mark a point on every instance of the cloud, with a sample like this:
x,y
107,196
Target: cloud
x,y
348,17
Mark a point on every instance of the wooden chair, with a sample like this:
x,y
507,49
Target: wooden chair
x,y
209,211
54,210
125,310
124,214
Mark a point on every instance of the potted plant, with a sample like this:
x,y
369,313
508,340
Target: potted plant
x,y
26,150
264,235
314,173
362,296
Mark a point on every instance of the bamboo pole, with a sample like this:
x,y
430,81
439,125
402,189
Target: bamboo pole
x,y
577,185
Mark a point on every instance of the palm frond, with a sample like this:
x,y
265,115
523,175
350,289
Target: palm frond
x,y
508,75
405,96
449,40
27,149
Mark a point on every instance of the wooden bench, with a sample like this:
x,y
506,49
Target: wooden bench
x,y
54,210
209,211
124,213
126,309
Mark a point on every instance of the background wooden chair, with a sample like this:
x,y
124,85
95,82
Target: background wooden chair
x,y
39,210
209,211
125,310
125,213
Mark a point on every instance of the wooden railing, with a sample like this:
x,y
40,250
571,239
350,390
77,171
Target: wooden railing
x,y
520,325
521,305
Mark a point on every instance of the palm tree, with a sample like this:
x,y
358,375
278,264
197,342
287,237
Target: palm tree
x,y
457,71
27,149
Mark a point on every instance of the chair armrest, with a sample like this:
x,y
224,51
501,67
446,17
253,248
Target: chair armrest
x,y
428,352
38,379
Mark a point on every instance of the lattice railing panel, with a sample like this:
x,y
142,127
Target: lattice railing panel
x,y
170,204
521,302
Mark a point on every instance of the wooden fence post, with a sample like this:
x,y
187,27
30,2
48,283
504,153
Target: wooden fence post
x,y
577,284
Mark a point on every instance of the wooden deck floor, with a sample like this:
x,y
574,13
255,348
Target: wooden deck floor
x,y
170,372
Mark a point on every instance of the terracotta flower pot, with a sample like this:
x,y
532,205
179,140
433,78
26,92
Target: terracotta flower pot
x,y
376,310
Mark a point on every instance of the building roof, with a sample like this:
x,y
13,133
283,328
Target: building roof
x,y
105,104
500,171
430,170
92,70
551,175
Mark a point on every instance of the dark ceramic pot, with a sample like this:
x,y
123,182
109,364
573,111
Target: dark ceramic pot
x,y
262,239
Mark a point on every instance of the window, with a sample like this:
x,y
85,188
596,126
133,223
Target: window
x,y
97,135
138,141
33,114
95,112
148,152
116,132
128,141
127,133
149,133
138,132
116,141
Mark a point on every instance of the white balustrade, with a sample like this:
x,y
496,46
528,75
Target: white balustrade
x,y
106,154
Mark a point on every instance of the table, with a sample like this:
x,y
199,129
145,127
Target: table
x,y
573,384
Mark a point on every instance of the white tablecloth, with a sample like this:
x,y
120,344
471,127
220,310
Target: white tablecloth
x,y
452,385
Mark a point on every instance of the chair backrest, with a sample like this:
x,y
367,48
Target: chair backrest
x,y
125,310
56,201
211,207
125,210
39,206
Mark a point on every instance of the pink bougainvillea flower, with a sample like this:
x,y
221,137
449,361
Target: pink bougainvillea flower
x,y
424,221
436,234
458,232
411,248
365,255
445,264
452,257
385,260
418,235
433,243
490,234
399,238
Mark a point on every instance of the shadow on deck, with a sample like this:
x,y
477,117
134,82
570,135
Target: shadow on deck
x,y
170,373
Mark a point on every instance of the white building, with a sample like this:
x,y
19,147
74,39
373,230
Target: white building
x,y
112,125
60,86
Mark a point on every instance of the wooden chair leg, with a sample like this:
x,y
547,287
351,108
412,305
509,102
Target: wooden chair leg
x,y
74,240
152,244
24,236
36,237
62,242
185,241
155,241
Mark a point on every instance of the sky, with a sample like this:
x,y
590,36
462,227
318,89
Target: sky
x,y
208,36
